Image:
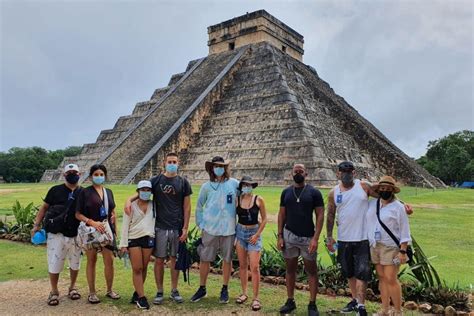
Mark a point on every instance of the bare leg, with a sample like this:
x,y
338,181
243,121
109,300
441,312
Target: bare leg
x,y
353,286
54,279
243,267
203,272
254,257
312,272
73,276
146,254
393,286
108,258
159,273
90,269
174,273
291,265
384,294
226,269
136,259
361,288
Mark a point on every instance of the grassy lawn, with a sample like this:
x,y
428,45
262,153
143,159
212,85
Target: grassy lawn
x,y
21,261
442,222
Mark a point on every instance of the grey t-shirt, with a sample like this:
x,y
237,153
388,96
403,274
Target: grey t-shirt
x,y
168,195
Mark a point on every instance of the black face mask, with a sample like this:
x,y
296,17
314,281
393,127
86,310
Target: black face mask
x,y
299,178
386,195
347,178
72,178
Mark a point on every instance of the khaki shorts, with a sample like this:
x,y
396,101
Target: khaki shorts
x,y
381,254
212,244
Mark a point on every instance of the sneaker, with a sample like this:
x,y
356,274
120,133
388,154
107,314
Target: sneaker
x,y
142,303
176,297
361,311
134,298
289,306
224,299
350,307
158,300
313,310
200,293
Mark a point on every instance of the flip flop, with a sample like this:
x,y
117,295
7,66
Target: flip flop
x,y
241,299
53,299
112,295
74,294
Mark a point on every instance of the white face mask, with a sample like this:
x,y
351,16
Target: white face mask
x,y
144,195
247,190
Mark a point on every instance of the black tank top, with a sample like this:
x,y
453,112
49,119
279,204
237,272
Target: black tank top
x,y
248,216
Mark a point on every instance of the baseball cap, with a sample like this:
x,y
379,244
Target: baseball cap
x,y
71,167
345,166
144,184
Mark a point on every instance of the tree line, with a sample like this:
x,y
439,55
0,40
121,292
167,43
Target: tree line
x,y
450,158
28,164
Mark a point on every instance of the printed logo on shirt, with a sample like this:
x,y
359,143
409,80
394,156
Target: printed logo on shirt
x,y
168,189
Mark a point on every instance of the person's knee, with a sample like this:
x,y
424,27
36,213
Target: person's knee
x,y
391,279
160,262
254,268
138,270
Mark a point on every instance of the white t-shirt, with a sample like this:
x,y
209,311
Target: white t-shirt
x,y
351,207
137,225
393,215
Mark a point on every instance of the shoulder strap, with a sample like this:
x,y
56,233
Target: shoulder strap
x,y
255,201
389,232
106,201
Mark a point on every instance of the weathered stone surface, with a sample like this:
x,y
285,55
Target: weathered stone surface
x,y
437,309
449,311
424,308
256,106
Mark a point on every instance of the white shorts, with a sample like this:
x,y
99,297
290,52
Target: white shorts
x,y
59,247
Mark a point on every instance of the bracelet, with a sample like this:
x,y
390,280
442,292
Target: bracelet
x,y
35,225
402,251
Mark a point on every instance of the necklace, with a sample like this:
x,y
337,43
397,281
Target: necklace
x,y
215,188
298,197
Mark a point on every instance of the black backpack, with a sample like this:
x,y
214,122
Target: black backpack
x,y
61,218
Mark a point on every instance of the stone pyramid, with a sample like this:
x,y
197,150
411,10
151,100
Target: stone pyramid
x,y
253,101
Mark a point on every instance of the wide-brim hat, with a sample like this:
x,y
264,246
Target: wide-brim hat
x,y
386,180
247,180
216,161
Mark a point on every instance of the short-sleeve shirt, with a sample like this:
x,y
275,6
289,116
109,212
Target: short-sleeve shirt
x,y
89,204
59,195
168,195
299,215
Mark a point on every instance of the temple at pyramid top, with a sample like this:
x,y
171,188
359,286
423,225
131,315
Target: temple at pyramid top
x,y
254,102
252,28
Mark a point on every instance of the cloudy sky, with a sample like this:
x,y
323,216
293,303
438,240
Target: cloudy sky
x,y
70,68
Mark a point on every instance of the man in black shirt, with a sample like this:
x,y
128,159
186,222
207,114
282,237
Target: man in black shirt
x,y
297,235
59,199
172,198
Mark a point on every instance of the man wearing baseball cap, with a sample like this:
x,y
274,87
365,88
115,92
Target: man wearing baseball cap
x,y
61,226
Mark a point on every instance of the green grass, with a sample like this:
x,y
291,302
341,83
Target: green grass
x,y
442,222
22,261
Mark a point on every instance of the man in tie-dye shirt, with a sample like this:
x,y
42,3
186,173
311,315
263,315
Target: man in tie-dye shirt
x,y
215,216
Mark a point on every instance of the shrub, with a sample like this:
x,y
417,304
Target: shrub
x,y
24,217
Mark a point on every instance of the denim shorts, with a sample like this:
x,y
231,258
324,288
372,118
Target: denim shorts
x,y
243,234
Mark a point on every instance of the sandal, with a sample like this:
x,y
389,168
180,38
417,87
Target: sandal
x,y
53,299
112,295
74,294
93,299
256,306
241,299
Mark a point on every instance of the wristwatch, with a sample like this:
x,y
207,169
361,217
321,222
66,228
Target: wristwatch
x,y
403,251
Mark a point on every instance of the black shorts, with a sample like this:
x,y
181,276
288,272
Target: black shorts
x,y
354,258
146,242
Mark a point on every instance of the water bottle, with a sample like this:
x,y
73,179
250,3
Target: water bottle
x,y
126,260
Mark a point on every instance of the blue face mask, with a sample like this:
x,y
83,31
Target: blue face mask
x,y
219,171
247,190
98,179
144,195
171,168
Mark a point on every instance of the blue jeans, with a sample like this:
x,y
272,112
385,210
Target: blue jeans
x,y
243,234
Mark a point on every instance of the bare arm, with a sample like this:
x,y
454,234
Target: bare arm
x,y
313,245
263,214
331,214
89,222
39,218
368,189
187,215
281,223
128,204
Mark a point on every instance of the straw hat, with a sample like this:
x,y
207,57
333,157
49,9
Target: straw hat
x,y
386,180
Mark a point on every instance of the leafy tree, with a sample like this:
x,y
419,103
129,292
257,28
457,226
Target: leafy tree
x,y
28,164
451,158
